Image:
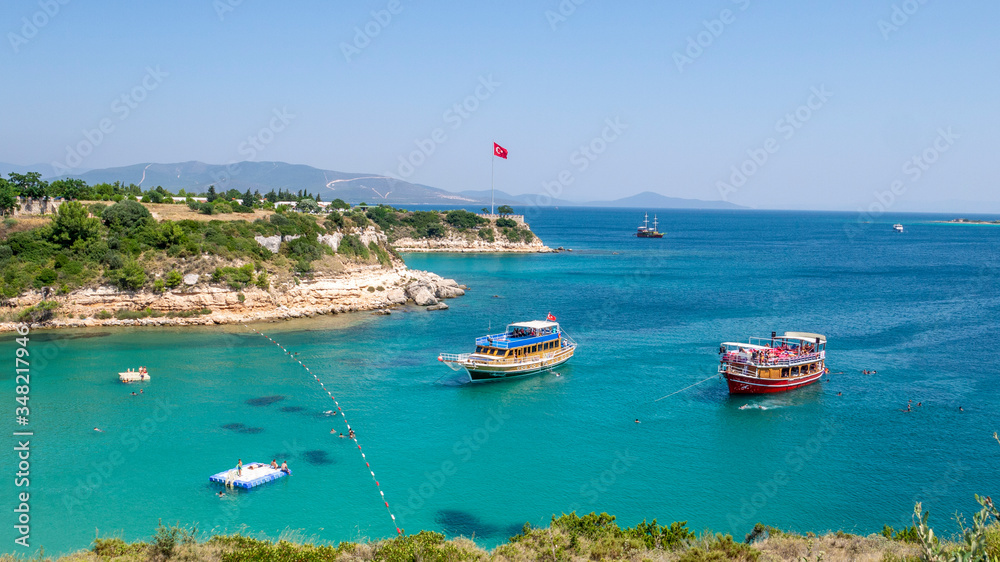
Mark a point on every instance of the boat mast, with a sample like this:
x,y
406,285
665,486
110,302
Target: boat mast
x,y
654,223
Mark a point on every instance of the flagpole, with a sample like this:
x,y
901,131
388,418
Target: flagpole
x,y
492,160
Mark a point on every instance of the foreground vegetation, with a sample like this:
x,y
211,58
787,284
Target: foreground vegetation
x,y
572,537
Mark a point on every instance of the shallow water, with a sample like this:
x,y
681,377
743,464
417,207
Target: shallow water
x,y
919,307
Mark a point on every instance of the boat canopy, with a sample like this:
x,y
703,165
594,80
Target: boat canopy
x,y
810,337
745,345
534,325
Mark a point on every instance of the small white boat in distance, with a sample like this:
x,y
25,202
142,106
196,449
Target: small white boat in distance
x,y
134,376
897,227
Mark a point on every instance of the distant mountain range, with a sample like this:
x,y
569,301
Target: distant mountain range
x,y
353,188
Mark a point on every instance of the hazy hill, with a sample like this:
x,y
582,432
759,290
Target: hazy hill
x,y
354,188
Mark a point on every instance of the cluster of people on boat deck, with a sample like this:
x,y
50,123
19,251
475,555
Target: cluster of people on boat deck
x,y
529,332
778,352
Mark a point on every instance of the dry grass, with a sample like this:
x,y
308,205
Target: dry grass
x,y
22,223
836,548
180,211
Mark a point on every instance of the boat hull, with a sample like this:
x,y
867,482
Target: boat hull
x,y
739,384
484,373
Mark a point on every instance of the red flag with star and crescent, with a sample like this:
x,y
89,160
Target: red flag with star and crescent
x,y
550,318
499,151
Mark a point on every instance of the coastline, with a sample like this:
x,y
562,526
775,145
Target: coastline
x,y
365,288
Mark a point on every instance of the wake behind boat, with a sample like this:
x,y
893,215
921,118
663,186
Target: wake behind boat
x,y
525,348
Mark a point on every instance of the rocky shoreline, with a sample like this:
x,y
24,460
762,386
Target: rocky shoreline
x,y
359,289
457,243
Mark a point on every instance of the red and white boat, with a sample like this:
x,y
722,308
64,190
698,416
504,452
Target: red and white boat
x,y
774,364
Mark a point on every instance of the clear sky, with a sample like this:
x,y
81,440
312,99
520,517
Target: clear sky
x,y
353,87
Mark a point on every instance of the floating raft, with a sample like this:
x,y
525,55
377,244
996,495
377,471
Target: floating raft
x,y
134,376
254,474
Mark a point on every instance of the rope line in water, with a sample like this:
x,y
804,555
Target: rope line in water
x,y
342,414
685,388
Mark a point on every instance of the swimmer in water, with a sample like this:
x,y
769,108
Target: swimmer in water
x,y
99,430
220,494
341,435
134,394
840,394
961,409
637,420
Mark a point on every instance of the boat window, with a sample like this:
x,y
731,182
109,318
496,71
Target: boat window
x,y
784,372
795,371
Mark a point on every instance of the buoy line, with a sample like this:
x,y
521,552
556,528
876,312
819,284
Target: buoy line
x,y
350,432
685,388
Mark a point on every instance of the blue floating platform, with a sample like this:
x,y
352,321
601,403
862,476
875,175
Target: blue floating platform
x,y
254,474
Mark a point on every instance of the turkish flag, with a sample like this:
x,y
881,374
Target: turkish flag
x,y
499,151
550,318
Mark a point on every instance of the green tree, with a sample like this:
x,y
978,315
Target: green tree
x,y
8,197
339,203
126,215
505,210
211,193
308,205
68,188
30,184
73,223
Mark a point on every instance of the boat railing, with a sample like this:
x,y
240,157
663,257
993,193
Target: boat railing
x,y
529,360
734,357
504,341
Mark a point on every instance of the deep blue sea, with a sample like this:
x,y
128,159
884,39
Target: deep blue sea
x,y
919,307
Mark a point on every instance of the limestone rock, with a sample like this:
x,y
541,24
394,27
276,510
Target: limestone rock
x,y
438,306
191,279
421,295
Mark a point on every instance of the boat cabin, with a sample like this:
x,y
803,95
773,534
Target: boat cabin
x,y
791,355
521,339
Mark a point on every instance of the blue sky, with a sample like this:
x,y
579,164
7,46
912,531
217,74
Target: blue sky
x,y
204,80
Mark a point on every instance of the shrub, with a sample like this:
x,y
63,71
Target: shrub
x,y
158,286
262,281
103,315
45,278
303,248
351,246
126,215
380,253
131,277
487,234
40,312
512,234
527,236
506,223
241,296
221,207
173,279
462,219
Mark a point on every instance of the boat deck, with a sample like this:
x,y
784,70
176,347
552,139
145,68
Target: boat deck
x,y
254,474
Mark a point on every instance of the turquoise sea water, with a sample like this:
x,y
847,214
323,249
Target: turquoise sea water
x,y
920,307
